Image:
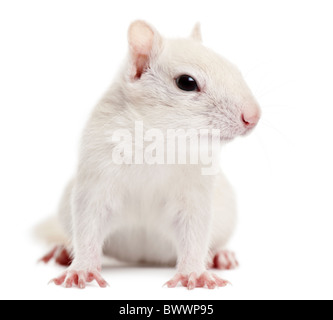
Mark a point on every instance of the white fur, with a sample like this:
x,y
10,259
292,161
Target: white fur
x,y
156,213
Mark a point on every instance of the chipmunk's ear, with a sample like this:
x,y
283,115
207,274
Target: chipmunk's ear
x,y
144,43
196,32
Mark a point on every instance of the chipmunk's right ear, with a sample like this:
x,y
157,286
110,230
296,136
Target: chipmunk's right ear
x,y
144,42
196,32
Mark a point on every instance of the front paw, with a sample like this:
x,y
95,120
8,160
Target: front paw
x,y
192,280
79,278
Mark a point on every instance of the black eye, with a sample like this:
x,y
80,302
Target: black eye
x,y
187,83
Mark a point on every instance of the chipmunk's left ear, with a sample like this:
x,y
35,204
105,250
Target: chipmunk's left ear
x,y
196,32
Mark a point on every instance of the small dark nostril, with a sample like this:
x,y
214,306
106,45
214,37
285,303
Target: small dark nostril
x,y
245,122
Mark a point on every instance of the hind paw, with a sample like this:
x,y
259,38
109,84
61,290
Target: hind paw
x,y
60,255
192,280
225,260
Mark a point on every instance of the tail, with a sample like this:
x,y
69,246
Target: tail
x,y
51,232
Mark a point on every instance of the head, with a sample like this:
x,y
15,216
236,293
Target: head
x,y
181,83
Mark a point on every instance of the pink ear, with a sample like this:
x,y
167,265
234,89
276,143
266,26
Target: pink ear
x,y
141,38
196,32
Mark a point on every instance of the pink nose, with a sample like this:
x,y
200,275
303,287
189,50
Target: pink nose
x,y
250,118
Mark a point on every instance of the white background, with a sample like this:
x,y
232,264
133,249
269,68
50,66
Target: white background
x,y
56,60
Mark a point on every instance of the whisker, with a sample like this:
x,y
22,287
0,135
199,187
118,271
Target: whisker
x,y
265,149
277,106
273,88
286,137
254,69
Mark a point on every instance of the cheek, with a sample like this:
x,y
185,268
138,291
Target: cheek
x,y
227,121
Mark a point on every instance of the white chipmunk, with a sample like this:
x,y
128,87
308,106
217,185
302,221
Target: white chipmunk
x,y
163,214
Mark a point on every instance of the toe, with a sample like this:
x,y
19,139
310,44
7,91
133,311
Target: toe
x,y
220,282
59,281
174,281
192,281
81,280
